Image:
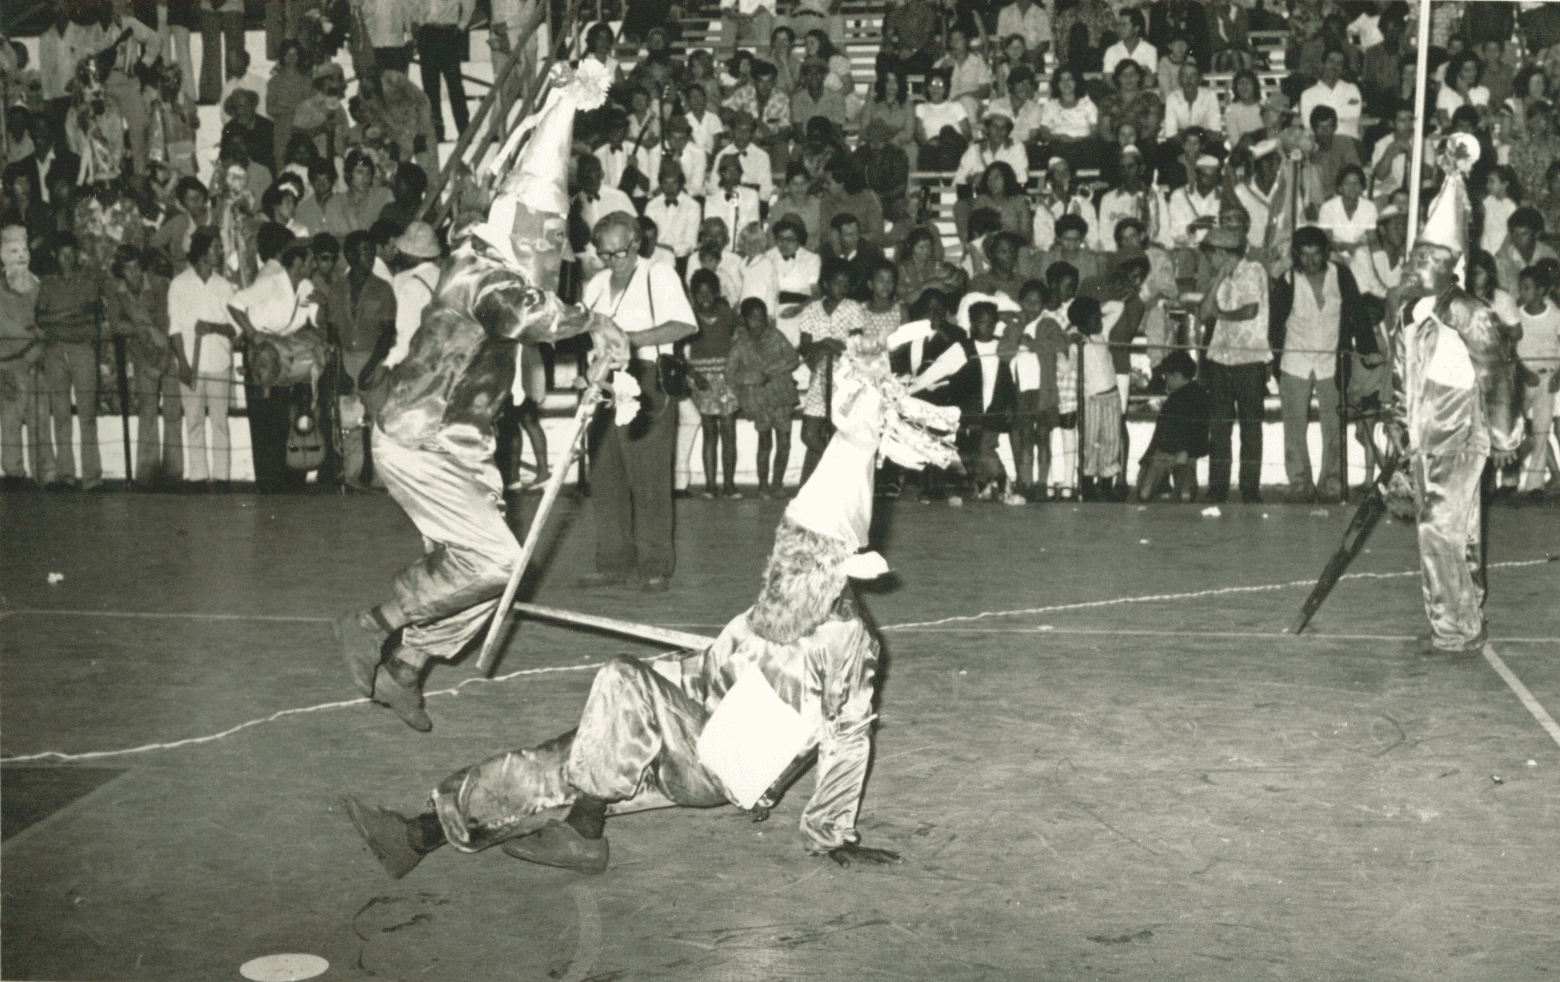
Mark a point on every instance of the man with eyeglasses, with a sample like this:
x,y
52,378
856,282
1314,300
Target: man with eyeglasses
x,y
631,473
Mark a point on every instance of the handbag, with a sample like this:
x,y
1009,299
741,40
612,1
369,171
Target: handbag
x,y
672,372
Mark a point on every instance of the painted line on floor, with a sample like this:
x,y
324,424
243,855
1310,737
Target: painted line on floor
x,y
1152,633
341,704
1515,684
1191,595
174,615
587,947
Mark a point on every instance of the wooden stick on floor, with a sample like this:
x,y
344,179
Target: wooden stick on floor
x,y
588,402
612,625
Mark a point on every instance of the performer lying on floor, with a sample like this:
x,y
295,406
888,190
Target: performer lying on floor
x,y
638,742
433,440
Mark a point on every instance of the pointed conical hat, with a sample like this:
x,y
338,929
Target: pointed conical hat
x,y
1447,223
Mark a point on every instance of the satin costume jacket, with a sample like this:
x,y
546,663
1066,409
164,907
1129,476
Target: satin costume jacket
x,y
1454,388
443,395
635,745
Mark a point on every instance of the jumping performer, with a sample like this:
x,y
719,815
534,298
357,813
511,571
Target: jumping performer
x,y
433,441
1454,409
638,744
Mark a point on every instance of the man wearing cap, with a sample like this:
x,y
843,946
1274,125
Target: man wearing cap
x,y
1236,361
1193,209
1134,198
1020,104
1058,197
414,280
1379,268
433,440
997,145
643,739
1453,410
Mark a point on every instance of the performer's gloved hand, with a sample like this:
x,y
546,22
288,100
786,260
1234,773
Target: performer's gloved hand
x,y
609,347
856,852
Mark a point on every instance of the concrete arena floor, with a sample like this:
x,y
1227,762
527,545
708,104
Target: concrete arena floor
x,y
1167,789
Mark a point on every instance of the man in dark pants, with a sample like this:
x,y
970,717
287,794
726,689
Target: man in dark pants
x,y
1236,362
71,303
442,46
631,473
278,302
221,26
360,308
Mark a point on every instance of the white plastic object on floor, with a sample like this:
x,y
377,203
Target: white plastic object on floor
x,y
283,968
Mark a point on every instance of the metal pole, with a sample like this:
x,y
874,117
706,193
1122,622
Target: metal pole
x,y
1421,80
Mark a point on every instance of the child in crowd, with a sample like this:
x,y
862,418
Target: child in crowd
x,y
707,353
1498,206
1033,341
759,370
1101,409
1539,353
1170,65
1180,434
1062,281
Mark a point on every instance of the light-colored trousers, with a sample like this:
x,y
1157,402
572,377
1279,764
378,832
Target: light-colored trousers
x,y
207,401
22,407
690,428
1294,394
1449,547
158,395
73,368
1539,405
447,596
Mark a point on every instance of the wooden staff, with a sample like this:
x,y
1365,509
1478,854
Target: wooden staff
x,y
612,625
582,418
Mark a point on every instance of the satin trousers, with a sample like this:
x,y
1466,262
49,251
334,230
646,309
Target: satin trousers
x,y
447,596
1449,547
636,746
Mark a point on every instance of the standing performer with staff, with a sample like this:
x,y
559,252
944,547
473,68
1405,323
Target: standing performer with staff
x,y
1454,408
433,442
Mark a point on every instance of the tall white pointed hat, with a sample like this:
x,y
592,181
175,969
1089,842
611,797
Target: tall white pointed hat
x,y
527,220
1447,223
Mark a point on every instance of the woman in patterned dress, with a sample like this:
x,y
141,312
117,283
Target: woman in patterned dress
x,y
707,353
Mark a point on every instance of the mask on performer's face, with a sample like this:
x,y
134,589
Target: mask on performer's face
x,y
1429,269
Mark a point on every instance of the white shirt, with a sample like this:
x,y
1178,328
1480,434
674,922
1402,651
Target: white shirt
x,y
413,292
1497,211
799,274
1186,206
1203,111
192,299
1144,54
613,163
1311,336
678,223
977,158
652,297
1540,344
273,304
1048,210
692,159
608,201
1119,204
388,23
1258,207
1345,229
1384,187
728,271
1025,120
1034,24
1375,272
737,208
705,131
1451,100
1344,98
756,172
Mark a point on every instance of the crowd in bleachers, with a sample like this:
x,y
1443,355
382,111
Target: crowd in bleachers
x,y
1061,199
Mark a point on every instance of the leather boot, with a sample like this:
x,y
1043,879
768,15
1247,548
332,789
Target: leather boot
x,y
395,840
362,648
560,845
399,686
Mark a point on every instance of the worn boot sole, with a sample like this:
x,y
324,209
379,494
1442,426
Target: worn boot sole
x,y
360,649
385,833
560,846
405,701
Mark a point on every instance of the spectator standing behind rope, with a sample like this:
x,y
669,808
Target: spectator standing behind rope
x,y
70,311
138,310
1316,314
361,309
21,363
1235,364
